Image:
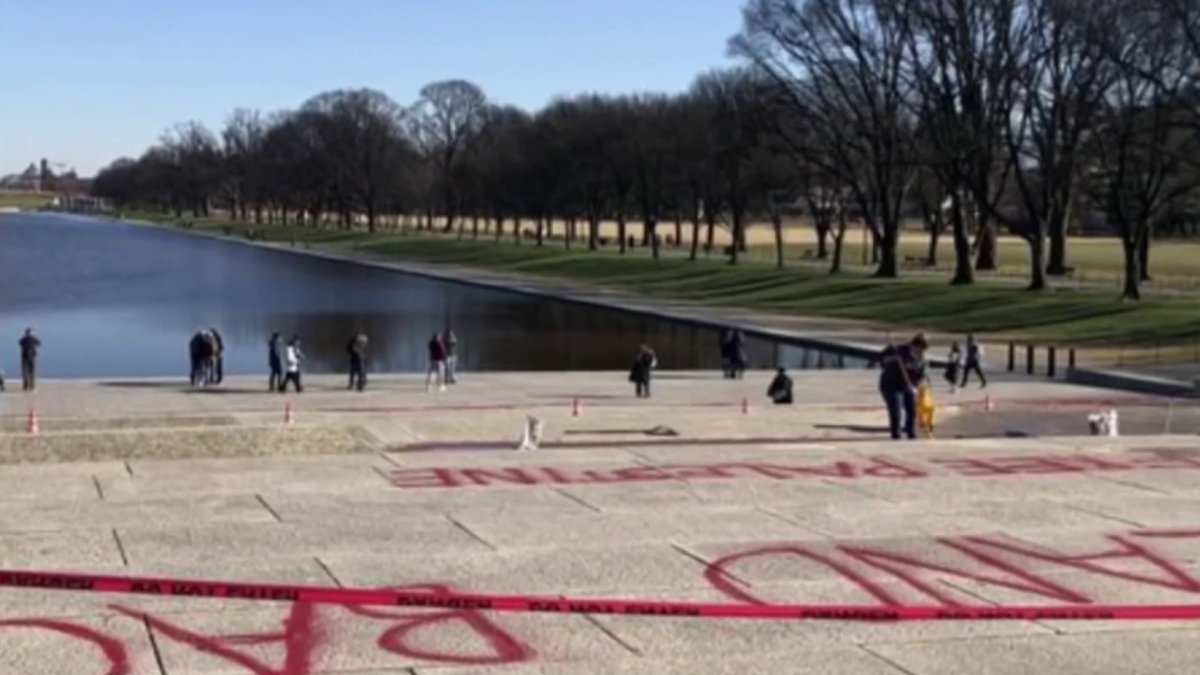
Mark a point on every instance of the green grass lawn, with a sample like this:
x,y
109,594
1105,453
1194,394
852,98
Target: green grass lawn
x,y
24,200
1065,316
1174,263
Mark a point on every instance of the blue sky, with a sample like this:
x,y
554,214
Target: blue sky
x,y
85,81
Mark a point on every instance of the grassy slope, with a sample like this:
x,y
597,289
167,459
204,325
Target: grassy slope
x,y
24,200
1083,317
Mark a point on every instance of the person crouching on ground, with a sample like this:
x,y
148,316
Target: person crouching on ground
x,y
437,363
292,356
903,372
357,349
643,365
780,391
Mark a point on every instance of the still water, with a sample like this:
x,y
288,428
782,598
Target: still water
x,y
114,299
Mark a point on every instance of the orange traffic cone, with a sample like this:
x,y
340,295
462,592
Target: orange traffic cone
x,y
745,406
33,427
289,413
576,409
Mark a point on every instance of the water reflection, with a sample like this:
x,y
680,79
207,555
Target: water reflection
x,y
117,300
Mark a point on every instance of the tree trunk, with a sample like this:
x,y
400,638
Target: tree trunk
x,y
933,221
1132,274
839,238
475,226
735,248
539,230
695,235
711,221
1037,262
886,246
964,273
651,225
621,230
1056,265
678,228
823,223
499,227
985,244
517,230
570,233
593,231
1144,255
370,218
777,224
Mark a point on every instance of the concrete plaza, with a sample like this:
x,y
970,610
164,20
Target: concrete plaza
x,y
681,497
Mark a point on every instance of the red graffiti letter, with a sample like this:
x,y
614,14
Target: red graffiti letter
x,y
113,650
399,639
300,637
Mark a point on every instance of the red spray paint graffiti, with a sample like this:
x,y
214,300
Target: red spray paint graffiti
x,y
115,658
989,562
306,633
878,467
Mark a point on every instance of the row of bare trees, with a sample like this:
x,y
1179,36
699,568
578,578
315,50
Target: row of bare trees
x,y
980,116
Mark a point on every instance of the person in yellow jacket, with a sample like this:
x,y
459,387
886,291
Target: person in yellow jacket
x,y
925,409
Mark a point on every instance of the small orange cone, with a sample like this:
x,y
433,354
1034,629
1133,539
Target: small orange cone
x,y
576,409
289,413
745,406
988,404
33,427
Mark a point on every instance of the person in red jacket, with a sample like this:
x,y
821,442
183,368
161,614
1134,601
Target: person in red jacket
x,y
437,363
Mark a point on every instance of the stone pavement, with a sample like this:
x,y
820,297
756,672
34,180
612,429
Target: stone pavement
x,y
800,504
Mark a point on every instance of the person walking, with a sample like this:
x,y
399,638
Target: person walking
x,y
737,352
726,342
292,356
903,371
29,344
275,362
450,340
643,365
437,363
197,347
974,363
953,365
357,348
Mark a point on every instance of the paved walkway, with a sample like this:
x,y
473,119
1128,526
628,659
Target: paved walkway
x,y
719,512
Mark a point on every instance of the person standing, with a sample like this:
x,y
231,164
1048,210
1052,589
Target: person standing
x,y
29,344
737,351
357,348
197,347
643,365
726,341
218,361
292,357
450,340
275,362
903,372
974,363
437,363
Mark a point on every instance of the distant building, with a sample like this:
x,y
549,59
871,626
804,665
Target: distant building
x,y
40,177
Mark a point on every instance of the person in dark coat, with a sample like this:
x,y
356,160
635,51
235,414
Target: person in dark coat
x,y
726,342
903,370
275,362
218,357
780,391
643,365
199,353
437,363
357,349
737,352
29,344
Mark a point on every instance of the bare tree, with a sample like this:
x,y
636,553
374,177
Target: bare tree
x,y
840,62
1140,153
962,54
444,122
